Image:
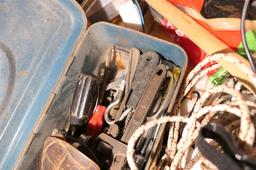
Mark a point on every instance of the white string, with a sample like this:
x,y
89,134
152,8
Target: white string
x,y
239,107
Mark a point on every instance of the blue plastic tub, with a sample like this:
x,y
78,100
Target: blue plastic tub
x,y
37,39
97,39
43,47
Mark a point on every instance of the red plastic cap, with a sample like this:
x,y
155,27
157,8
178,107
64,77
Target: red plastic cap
x,y
95,124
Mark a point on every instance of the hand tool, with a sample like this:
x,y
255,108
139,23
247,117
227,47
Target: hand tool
x,y
151,135
144,69
84,103
134,57
146,101
121,90
108,69
115,103
84,100
167,100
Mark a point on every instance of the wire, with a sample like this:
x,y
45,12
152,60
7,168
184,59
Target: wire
x,y
136,2
198,96
242,28
166,102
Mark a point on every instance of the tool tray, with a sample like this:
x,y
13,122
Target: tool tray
x,y
86,58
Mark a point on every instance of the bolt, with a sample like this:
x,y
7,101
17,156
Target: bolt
x,y
148,58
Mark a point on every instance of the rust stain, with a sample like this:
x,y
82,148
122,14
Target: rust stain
x,y
23,73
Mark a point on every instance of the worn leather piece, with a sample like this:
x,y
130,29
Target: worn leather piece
x,y
58,154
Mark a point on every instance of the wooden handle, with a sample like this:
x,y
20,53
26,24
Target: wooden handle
x,y
199,35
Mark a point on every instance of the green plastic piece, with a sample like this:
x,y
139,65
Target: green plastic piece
x,y
222,75
219,77
251,41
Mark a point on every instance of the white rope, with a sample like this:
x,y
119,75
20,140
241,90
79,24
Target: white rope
x,y
239,107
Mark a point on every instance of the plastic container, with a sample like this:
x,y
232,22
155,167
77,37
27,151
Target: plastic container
x,y
43,51
87,59
37,39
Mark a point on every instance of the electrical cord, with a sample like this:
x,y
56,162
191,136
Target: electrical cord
x,y
136,2
243,34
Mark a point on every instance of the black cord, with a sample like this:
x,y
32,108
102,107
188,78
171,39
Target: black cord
x,y
242,28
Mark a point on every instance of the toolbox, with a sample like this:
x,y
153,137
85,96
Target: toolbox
x,y
43,48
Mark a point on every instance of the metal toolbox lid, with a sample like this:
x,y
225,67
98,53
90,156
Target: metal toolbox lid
x,y
36,40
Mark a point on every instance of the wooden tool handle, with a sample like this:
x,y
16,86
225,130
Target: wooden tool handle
x,y
199,35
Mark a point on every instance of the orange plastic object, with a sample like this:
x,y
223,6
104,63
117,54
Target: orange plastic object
x,y
95,124
230,37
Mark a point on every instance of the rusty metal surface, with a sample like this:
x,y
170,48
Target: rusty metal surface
x,y
146,102
143,72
